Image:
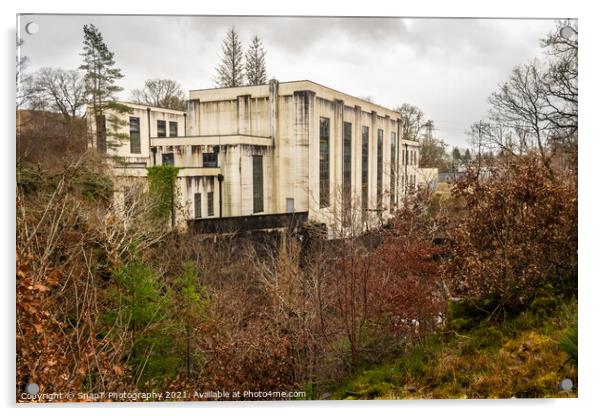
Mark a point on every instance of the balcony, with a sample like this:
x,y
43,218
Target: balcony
x,y
220,140
183,171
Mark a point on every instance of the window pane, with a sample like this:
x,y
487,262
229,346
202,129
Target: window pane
x,y
209,160
393,190
346,173
197,205
161,128
324,162
257,183
365,172
210,204
173,129
167,159
135,135
379,169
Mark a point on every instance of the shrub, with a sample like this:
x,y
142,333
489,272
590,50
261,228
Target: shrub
x,y
568,344
517,234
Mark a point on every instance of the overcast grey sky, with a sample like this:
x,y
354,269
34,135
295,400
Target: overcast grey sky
x,y
447,67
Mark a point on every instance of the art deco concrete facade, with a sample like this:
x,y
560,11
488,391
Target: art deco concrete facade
x,y
282,147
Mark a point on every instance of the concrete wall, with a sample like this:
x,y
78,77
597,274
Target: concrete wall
x,y
281,122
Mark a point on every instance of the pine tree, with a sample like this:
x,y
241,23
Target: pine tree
x,y
456,155
230,72
255,63
100,76
467,157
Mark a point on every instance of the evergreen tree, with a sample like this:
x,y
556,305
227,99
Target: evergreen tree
x,y
143,310
190,301
467,158
230,72
456,155
255,63
100,76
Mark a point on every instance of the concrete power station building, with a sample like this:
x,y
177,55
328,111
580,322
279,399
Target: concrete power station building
x,y
267,150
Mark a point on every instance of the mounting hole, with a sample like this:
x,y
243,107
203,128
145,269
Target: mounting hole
x,y
566,384
32,28
567,33
32,389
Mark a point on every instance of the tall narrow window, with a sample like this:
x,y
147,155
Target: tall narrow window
x,y
365,172
379,169
173,129
135,135
346,173
257,183
197,205
324,162
210,204
392,189
161,128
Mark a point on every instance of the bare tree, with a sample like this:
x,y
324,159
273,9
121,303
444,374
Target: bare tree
x,y
23,80
164,93
59,90
537,108
230,72
560,80
521,103
412,121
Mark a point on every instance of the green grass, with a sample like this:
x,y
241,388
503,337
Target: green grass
x,y
522,356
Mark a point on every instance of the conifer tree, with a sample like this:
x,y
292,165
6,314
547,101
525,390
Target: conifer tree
x,y
456,155
230,72
255,63
467,157
100,76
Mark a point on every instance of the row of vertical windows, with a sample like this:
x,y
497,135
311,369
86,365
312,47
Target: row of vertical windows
x,y
162,128
198,204
408,181
409,157
161,132
209,159
324,167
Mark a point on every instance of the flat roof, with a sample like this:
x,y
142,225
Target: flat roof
x,y
304,81
145,106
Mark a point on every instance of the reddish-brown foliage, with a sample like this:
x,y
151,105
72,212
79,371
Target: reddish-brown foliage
x,y
517,232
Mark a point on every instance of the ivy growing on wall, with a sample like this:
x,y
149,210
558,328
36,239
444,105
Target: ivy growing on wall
x,y
162,189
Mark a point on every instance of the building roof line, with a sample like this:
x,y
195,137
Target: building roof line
x,y
298,81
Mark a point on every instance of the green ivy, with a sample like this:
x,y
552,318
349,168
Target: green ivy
x,y
162,189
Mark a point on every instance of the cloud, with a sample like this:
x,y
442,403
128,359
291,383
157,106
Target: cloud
x,y
446,66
